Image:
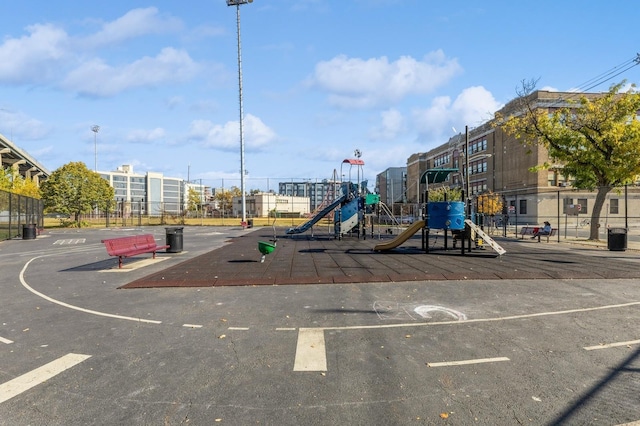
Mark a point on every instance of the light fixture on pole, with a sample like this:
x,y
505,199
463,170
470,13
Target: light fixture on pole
x,y
237,4
95,129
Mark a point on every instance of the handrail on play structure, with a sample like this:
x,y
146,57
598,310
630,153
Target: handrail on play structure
x,y
353,162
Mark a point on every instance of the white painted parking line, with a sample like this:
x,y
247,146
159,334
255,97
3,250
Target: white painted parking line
x,y
467,362
35,377
612,345
310,351
192,325
77,308
7,341
239,328
70,241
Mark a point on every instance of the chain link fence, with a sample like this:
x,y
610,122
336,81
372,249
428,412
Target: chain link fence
x,y
17,213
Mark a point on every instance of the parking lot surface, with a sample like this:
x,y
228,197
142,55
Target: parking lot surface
x,y
545,334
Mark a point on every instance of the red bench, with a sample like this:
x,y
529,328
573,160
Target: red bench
x,y
132,246
531,230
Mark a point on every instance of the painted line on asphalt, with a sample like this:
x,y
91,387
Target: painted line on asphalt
x,y
311,354
611,345
35,377
483,320
286,329
7,341
239,328
467,362
77,308
192,325
310,351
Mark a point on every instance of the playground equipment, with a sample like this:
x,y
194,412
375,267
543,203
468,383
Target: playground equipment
x,y
265,248
449,216
348,207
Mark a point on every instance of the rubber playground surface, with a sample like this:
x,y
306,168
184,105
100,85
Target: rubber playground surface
x,y
318,258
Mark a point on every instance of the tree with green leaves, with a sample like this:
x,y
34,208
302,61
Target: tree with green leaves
x,y
595,138
442,193
74,189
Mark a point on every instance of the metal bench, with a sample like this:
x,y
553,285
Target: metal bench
x,y
131,246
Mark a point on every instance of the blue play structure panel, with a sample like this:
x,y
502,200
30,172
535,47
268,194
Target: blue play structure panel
x,y
445,215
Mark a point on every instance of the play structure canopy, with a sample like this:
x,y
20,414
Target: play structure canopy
x,y
436,175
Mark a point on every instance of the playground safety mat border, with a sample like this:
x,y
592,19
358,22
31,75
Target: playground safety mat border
x,y
319,258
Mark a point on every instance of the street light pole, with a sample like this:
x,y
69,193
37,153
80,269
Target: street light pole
x,y
237,4
466,171
95,129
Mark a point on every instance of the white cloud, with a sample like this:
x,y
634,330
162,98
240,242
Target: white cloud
x,y
391,125
256,134
33,57
473,106
46,54
96,78
146,136
22,127
135,23
358,83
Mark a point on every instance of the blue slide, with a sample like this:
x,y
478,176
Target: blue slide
x,y
322,213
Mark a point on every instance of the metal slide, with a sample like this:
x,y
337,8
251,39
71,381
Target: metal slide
x,y
404,236
322,213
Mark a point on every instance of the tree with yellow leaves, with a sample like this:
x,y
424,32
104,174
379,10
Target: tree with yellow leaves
x,y
489,203
12,181
597,139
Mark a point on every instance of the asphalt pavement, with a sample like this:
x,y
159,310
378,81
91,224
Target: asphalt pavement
x,y
545,334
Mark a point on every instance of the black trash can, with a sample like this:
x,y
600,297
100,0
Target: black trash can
x,y
174,239
250,223
29,231
617,239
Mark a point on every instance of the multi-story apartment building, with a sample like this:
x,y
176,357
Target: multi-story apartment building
x,y
150,194
502,164
317,192
391,184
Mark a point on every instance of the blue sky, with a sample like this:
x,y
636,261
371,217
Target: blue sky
x,y
320,78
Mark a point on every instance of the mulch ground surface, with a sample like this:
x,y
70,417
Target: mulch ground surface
x,y
321,259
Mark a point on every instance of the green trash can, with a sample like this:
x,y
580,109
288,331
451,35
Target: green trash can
x,y
174,239
617,239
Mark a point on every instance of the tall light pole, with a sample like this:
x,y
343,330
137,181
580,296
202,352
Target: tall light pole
x,y
237,4
95,129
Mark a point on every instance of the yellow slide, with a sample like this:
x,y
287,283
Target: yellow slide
x,y
404,236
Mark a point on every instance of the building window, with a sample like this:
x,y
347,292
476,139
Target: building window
x,y
583,205
523,206
613,206
566,202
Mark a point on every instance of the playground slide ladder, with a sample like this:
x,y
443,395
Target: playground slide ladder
x,y
485,237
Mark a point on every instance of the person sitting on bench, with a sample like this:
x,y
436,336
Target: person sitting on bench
x,y
545,230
